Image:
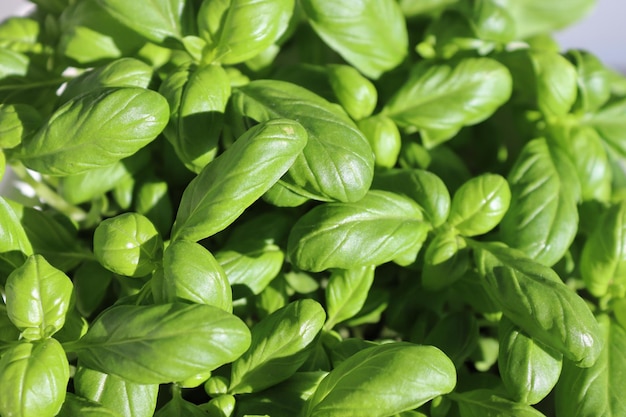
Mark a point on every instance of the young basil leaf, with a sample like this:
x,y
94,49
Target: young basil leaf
x,y
91,282
456,335
75,405
370,35
158,21
17,123
197,99
543,219
123,72
488,403
356,94
118,395
142,344
13,64
480,204
38,297
128,244
14,243
445,261
379,228
346,293
73,140
370,381
451,34
89,185
467,91
384,138
533,17
177,406
426,188
153,201
528,369
281,343
191,274
594,88
237,178
596,391
20,34
610,124
274,296
281,196
220,406
237,30
603,259
533,297
491,21
33,377
334,141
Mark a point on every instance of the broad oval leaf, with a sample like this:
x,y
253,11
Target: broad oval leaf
x,y
95,130
369,34
466,92
533,297
34,378
118,395
281,343
424,187
346,292
603,258
197,99
17,122
156,20
38,297
14,243
237,178
528,369
237,30
128,244
162,343
383,380
598,390
543,218
379,228
479,204
337,162
487,403
191,273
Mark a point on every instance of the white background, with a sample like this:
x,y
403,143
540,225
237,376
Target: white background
x,y
602,32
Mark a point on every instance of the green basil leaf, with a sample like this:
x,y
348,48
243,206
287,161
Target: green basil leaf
x,y
281,343
118,395
125,119
91,282
533,17
13,64
426,188
491,21
177,406
467,92
603,259
487,403
75,406
20,34
33,377
356,94
142,344
8,331
156,20
445,261
334,141
197,99
610,124
533,297
542,219
281,196
479,204
153,201
370,35
362,384
379,228
123,72
237,178
14,243
528,369
456,335
412,8
237,30
38,297
17,123
191,274
346,293
91,184
594,88
384,138
128,244
596,391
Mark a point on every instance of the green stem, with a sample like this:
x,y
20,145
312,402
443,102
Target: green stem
x,y
46,83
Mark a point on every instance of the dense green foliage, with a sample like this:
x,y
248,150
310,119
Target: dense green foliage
x,y
310,208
